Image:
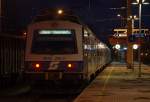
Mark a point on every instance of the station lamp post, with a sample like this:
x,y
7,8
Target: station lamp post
x,y
135,47
133,18
140,3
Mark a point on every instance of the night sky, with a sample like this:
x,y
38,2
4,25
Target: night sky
x,y
99,15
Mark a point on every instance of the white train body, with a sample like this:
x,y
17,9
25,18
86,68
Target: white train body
x,y
61,49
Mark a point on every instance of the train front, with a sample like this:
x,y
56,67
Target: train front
x,y
54,51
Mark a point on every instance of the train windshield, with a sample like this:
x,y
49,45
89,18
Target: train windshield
x,y
54,41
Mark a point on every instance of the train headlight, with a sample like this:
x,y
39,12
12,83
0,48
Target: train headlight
x,y
37,66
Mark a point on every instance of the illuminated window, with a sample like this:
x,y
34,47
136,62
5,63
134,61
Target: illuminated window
x,y
55,32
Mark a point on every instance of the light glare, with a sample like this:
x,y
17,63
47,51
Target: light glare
x,y
69,65
60,11
37,65
117,46
135,46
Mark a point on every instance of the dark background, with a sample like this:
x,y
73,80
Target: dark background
x,y
100,15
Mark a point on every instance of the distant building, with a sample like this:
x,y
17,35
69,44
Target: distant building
x,y
120,36
119,42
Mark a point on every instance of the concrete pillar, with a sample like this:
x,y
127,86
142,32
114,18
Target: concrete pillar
x,y
129,31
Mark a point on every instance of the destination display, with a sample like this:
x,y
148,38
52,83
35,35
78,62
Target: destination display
x,y
55,31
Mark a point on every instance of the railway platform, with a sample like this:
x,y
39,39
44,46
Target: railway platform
x,y
118,84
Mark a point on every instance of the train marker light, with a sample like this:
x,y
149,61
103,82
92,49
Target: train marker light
x,y
69,65
37,65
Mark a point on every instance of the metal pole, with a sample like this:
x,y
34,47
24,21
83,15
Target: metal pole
x,y
129,32
139,54
132,17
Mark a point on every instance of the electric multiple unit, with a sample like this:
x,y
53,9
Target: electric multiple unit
x,y
61,49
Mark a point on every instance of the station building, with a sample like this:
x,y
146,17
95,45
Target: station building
x,y
119,41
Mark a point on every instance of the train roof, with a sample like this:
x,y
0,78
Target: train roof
x,y
48,15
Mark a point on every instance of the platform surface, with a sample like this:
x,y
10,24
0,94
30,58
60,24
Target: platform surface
x,y
117,83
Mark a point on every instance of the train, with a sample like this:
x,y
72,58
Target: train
x,y
63,48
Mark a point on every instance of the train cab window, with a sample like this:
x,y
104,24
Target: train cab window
x,y
54,41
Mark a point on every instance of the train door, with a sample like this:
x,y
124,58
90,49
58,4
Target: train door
x,y
86,48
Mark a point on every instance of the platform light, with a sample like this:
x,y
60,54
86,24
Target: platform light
x,y
117,46
138,1
60,11
135,46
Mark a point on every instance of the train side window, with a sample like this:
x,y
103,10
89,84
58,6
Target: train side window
x,y
85,33
142,31
146,32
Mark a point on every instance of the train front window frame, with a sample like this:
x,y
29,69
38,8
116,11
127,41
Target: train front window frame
x,y
51,42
